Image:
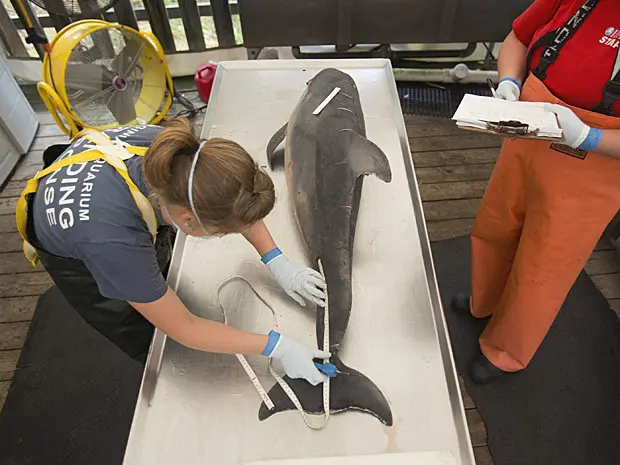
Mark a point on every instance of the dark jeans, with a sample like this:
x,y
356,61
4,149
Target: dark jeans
x,y
115,319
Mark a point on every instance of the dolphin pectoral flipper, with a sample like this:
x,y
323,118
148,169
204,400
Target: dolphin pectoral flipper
x,y
366,158
275,158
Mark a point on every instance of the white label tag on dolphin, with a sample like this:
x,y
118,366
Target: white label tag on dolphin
x,y
324,103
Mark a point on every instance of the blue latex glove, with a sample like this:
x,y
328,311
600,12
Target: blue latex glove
x,y
298,281
577,134
296,358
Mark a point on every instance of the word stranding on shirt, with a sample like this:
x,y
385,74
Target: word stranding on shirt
x,y
66,193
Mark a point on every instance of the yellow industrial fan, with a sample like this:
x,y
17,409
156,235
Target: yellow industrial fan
x,y
102,75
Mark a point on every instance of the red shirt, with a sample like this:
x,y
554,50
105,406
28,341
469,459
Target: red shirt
x,y
587,59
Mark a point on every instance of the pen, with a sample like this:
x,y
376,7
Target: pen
x,y
328,369
490,83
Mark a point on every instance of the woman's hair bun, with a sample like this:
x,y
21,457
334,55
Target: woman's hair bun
x,y
230,192
252,206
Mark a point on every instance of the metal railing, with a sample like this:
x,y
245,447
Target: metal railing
x,y
180,25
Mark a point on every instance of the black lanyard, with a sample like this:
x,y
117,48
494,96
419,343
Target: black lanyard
x,y
553,42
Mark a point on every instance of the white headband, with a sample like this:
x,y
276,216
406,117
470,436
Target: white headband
x,y
190,183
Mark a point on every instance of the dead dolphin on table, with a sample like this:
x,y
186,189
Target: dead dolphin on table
x,y
326,157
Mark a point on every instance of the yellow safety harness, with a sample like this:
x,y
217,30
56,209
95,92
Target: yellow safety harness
x,y
106,150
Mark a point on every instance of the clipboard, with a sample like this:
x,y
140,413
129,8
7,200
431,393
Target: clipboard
x,y
511,129
523,120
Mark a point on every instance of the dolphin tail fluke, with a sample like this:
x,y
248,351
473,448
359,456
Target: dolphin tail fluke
x,y
350,391
366,158
275,158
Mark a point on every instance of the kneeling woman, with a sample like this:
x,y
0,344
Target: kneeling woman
x,y
93,220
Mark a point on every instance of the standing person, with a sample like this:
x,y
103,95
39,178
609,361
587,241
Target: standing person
x,y
546,204
99,226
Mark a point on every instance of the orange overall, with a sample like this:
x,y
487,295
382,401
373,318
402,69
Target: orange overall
x,y
542,215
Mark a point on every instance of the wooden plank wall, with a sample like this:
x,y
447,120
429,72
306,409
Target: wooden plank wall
x,y
18,5
9,36
158,13
59,21
192,25
125,13
223,23
160,24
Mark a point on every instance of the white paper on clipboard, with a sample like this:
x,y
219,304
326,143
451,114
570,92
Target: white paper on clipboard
x,y
475,112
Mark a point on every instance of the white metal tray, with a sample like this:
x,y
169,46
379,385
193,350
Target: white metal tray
x,y
199,408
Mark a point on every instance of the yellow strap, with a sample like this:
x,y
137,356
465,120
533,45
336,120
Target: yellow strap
x,y
93,135
115,156
107,151
32,184
139,151
102,139
145,207
83,157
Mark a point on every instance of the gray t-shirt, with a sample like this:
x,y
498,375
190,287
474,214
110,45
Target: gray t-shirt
x,y
86,212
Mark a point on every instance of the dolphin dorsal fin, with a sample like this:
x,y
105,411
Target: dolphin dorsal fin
x,y
366,158
273,157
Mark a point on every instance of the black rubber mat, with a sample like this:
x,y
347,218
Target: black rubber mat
x,y
565,408
73,397
441,100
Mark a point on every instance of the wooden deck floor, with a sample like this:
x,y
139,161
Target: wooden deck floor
x,y
452,167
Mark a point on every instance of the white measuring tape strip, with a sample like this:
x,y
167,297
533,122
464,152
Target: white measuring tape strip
x,y
244,363
326,396
307,418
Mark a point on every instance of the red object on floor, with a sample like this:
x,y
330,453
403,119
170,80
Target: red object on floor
x,y
204,80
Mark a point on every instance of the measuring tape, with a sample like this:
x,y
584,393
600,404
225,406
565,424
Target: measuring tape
x,y
307,418
244,363
326,406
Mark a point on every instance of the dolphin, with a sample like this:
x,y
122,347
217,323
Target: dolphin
x,y
326,157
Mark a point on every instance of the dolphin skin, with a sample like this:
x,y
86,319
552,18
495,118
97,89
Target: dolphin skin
x,y
326,157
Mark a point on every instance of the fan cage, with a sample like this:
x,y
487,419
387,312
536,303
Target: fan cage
x,y
100,48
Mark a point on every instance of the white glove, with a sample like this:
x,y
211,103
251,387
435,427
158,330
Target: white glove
x,y
508,90
297,358
298,281
577,134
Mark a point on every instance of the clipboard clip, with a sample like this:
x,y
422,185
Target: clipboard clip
x,y
512,127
